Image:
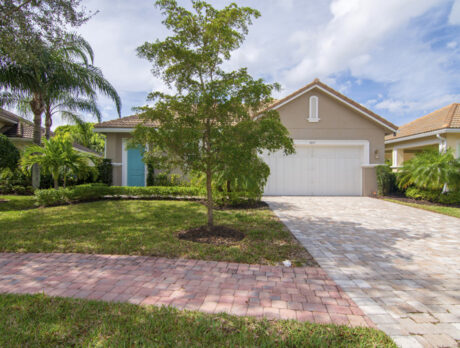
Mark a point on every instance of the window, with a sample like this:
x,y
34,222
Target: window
x,y
313,115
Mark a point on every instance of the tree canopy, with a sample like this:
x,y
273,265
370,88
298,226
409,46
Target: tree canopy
x,y
82,133
27,24
208,125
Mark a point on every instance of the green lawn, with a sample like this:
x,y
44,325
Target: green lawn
x,y
41,321
16,202
451,211
146,228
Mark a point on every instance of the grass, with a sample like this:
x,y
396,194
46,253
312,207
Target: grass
x,y
38,320
450,211
146,228
16,202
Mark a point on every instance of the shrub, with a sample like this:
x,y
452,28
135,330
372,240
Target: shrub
x,y
164,179
431,170
92,192
51,197
9,154
105,171
435,196
386,180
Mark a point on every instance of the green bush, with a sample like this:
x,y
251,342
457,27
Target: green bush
x,y
90,192
105,171
164,179
435,196
9,154
386,180
52,197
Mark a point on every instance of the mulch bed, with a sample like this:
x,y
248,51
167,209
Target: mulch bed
x,y
218,235
418,201
245,205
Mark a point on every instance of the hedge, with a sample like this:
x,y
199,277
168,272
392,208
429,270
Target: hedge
x,y
452,197
90,192
386,180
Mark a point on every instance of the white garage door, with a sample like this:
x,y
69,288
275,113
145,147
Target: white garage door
x,y
316,170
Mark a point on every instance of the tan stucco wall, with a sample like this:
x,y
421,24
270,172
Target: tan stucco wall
x,y
453,142
369,181
337,122
114,152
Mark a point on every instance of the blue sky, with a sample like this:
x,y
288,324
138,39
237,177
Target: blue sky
x,y
400,58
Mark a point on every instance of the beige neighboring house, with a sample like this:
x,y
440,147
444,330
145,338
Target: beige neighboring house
x,y
21,131
338,145
439,129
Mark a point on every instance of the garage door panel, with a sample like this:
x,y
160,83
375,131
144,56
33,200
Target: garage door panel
x,y
316,170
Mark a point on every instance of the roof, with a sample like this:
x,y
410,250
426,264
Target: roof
x,y
8,116
317,83
24,129
123,122
444,118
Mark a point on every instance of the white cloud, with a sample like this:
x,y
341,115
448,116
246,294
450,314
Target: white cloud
x,y
454,17
295,41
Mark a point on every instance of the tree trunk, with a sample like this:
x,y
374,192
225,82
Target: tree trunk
x,y
56,183
210,200
37,107
48,123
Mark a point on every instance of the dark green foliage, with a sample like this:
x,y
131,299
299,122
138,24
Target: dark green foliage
x,y
165,179
386,180
89,192
9,154
15,181
105,171
435,196
150,174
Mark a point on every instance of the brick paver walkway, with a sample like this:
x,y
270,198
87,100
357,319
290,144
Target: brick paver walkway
x,y
305,294
400,264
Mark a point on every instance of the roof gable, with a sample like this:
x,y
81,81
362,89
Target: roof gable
x,y
338,96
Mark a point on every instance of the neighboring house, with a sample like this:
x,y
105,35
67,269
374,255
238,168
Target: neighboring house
x,y
20,131
338,145
437,130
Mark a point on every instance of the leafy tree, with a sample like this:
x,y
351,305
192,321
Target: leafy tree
x,y
63,71
27,24
431,170
9,154
208,125
82,133
57,157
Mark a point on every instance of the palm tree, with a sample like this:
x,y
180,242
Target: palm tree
x,y
56,157
431,170
63,73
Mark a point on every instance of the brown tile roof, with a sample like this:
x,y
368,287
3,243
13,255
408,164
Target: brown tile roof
x,y
8,116
317,82
25,129
446,117
123,122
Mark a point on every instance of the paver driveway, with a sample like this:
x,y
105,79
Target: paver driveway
x,y
400,264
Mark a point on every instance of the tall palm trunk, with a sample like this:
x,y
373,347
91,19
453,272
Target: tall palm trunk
x,y
48,122
37,107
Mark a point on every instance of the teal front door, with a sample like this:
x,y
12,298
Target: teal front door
x,y
136,169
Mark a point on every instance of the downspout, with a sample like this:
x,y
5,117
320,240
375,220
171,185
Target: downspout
x,y
443,143
443,150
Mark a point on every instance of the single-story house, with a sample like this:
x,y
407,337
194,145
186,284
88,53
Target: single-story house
x,y
338,144
20,131
439,129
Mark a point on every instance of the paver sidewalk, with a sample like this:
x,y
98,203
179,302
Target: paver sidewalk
x,y
305,294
